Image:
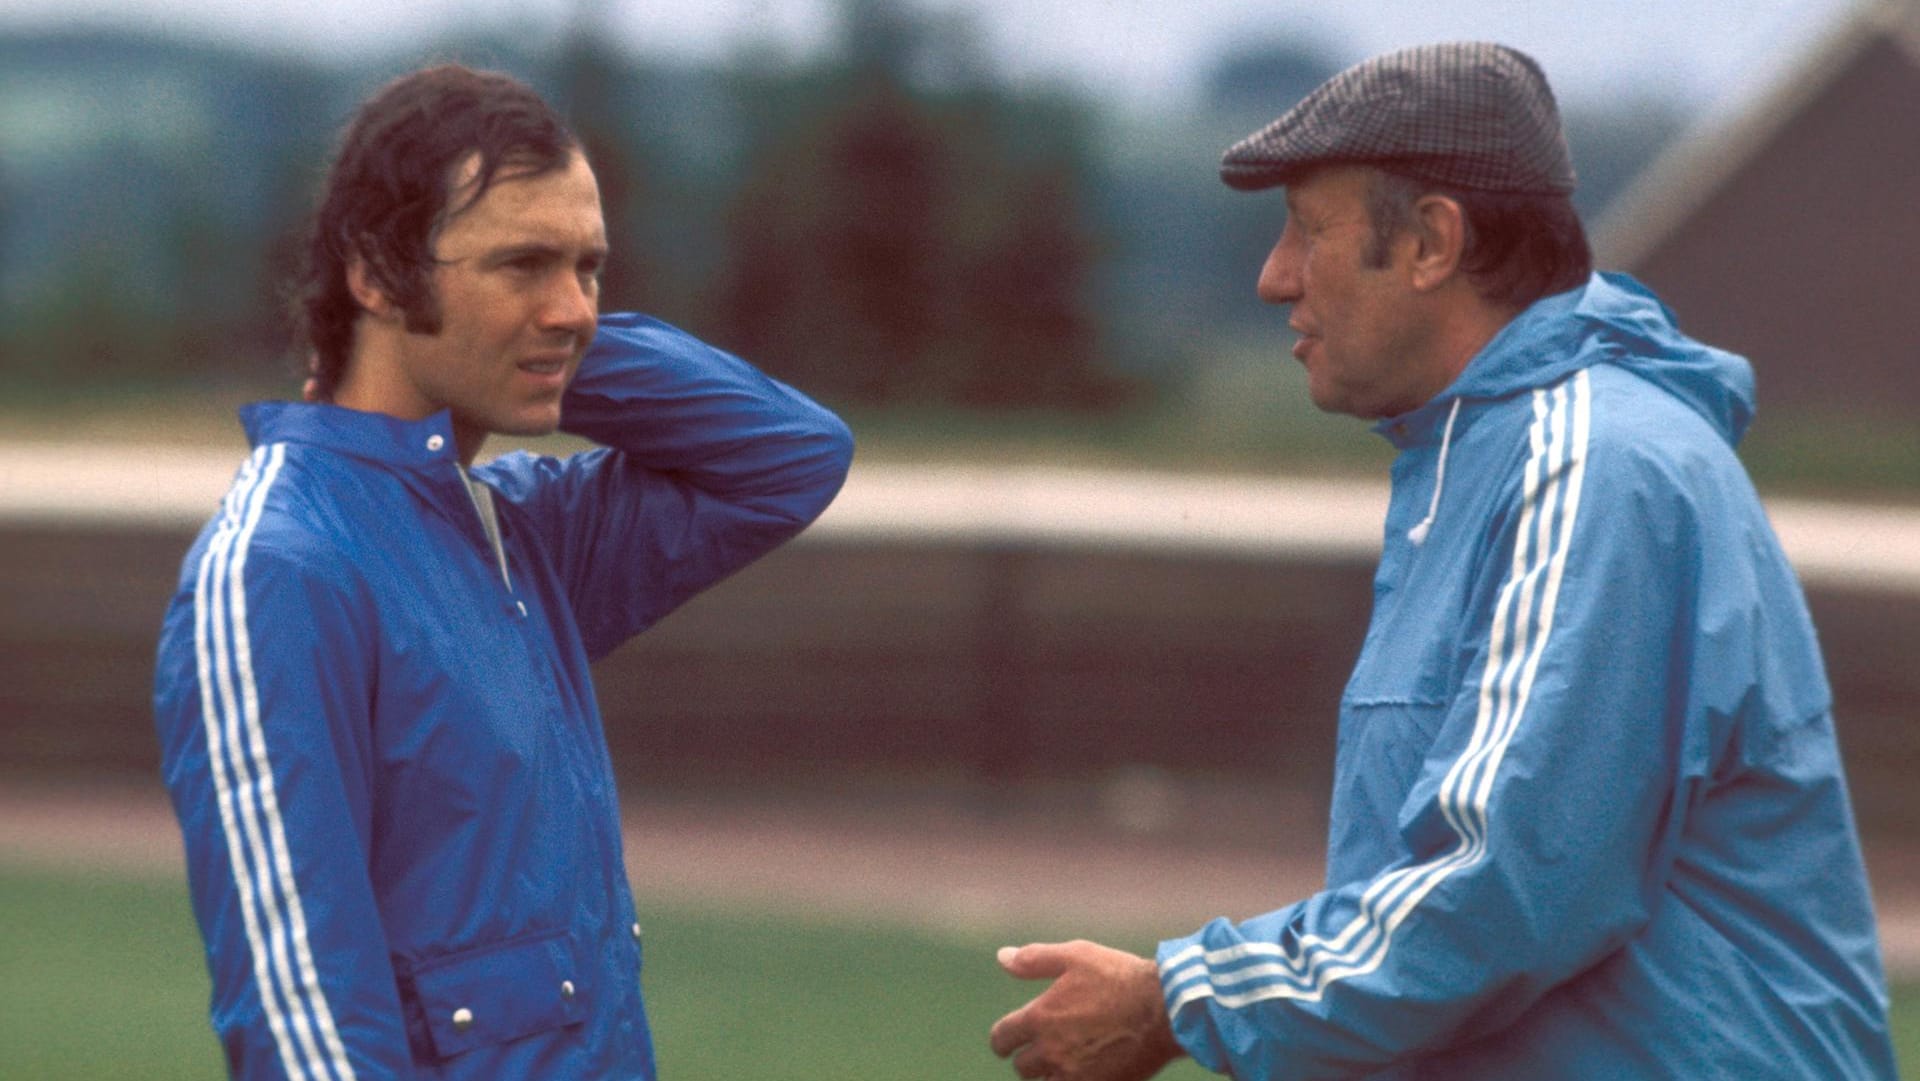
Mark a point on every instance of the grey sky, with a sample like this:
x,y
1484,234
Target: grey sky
x,y
1144,52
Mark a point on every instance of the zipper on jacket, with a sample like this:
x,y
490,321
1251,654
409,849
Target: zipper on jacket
x,y
482,499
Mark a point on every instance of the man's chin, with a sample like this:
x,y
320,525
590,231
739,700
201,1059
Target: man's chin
x,y
527,430
528,424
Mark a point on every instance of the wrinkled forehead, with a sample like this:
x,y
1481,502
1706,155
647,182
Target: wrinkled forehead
x,y
555,208
467,184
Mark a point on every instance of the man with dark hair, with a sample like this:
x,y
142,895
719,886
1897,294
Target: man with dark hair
x,y
393,181
1589,819
375,712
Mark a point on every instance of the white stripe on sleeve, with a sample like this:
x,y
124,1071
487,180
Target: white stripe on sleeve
x,y
289,987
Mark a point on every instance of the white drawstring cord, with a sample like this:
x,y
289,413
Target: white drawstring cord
x,y
1418,534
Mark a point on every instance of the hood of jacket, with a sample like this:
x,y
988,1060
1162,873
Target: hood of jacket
x,y
1613,319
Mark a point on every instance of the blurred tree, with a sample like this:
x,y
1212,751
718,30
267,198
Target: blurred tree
x,y
833,247
902,237
151,184
1033,338
87,324
593,94
1262,79
1178,287
890,221
1247,89
13,275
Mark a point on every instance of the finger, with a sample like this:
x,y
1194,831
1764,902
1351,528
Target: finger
x,y
1036,961
1031,1063
1010,1033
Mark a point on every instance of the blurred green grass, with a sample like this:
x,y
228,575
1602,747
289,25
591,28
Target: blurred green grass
x,y
101,979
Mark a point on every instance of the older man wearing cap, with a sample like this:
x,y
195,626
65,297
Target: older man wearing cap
x,y
1589,819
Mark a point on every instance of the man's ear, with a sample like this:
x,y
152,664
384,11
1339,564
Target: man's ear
x,y
365,292
1440,226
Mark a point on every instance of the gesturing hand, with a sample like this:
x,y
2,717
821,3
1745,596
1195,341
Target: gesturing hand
x,y
1102,1020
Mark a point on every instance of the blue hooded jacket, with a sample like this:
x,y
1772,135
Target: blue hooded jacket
x,y
1588,819
379,730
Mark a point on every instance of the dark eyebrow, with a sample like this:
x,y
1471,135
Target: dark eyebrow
x,y
512,252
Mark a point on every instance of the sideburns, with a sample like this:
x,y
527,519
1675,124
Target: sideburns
x,y
423,316
1375,257
1389,203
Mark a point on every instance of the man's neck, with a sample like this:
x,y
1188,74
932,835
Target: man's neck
x,y
1462,337
371,384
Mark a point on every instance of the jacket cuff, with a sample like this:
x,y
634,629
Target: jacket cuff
x,y
1187,989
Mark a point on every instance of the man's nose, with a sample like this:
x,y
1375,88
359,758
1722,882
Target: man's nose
x,y
1279,278
573,303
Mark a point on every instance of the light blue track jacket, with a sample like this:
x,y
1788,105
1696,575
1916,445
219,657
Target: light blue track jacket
x,y
380,733
1588,818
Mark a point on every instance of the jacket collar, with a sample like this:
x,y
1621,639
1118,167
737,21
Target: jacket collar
x,y
1417,427
1537,347
406,444
1611,320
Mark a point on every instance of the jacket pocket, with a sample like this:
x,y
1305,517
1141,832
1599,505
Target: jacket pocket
x,y
1382,747
496,993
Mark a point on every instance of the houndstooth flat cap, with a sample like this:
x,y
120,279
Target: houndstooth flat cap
x,y
1466,114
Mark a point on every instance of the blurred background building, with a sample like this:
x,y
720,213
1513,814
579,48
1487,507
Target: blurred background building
x,y
1786,232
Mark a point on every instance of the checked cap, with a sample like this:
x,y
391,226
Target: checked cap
x,y
1472,115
